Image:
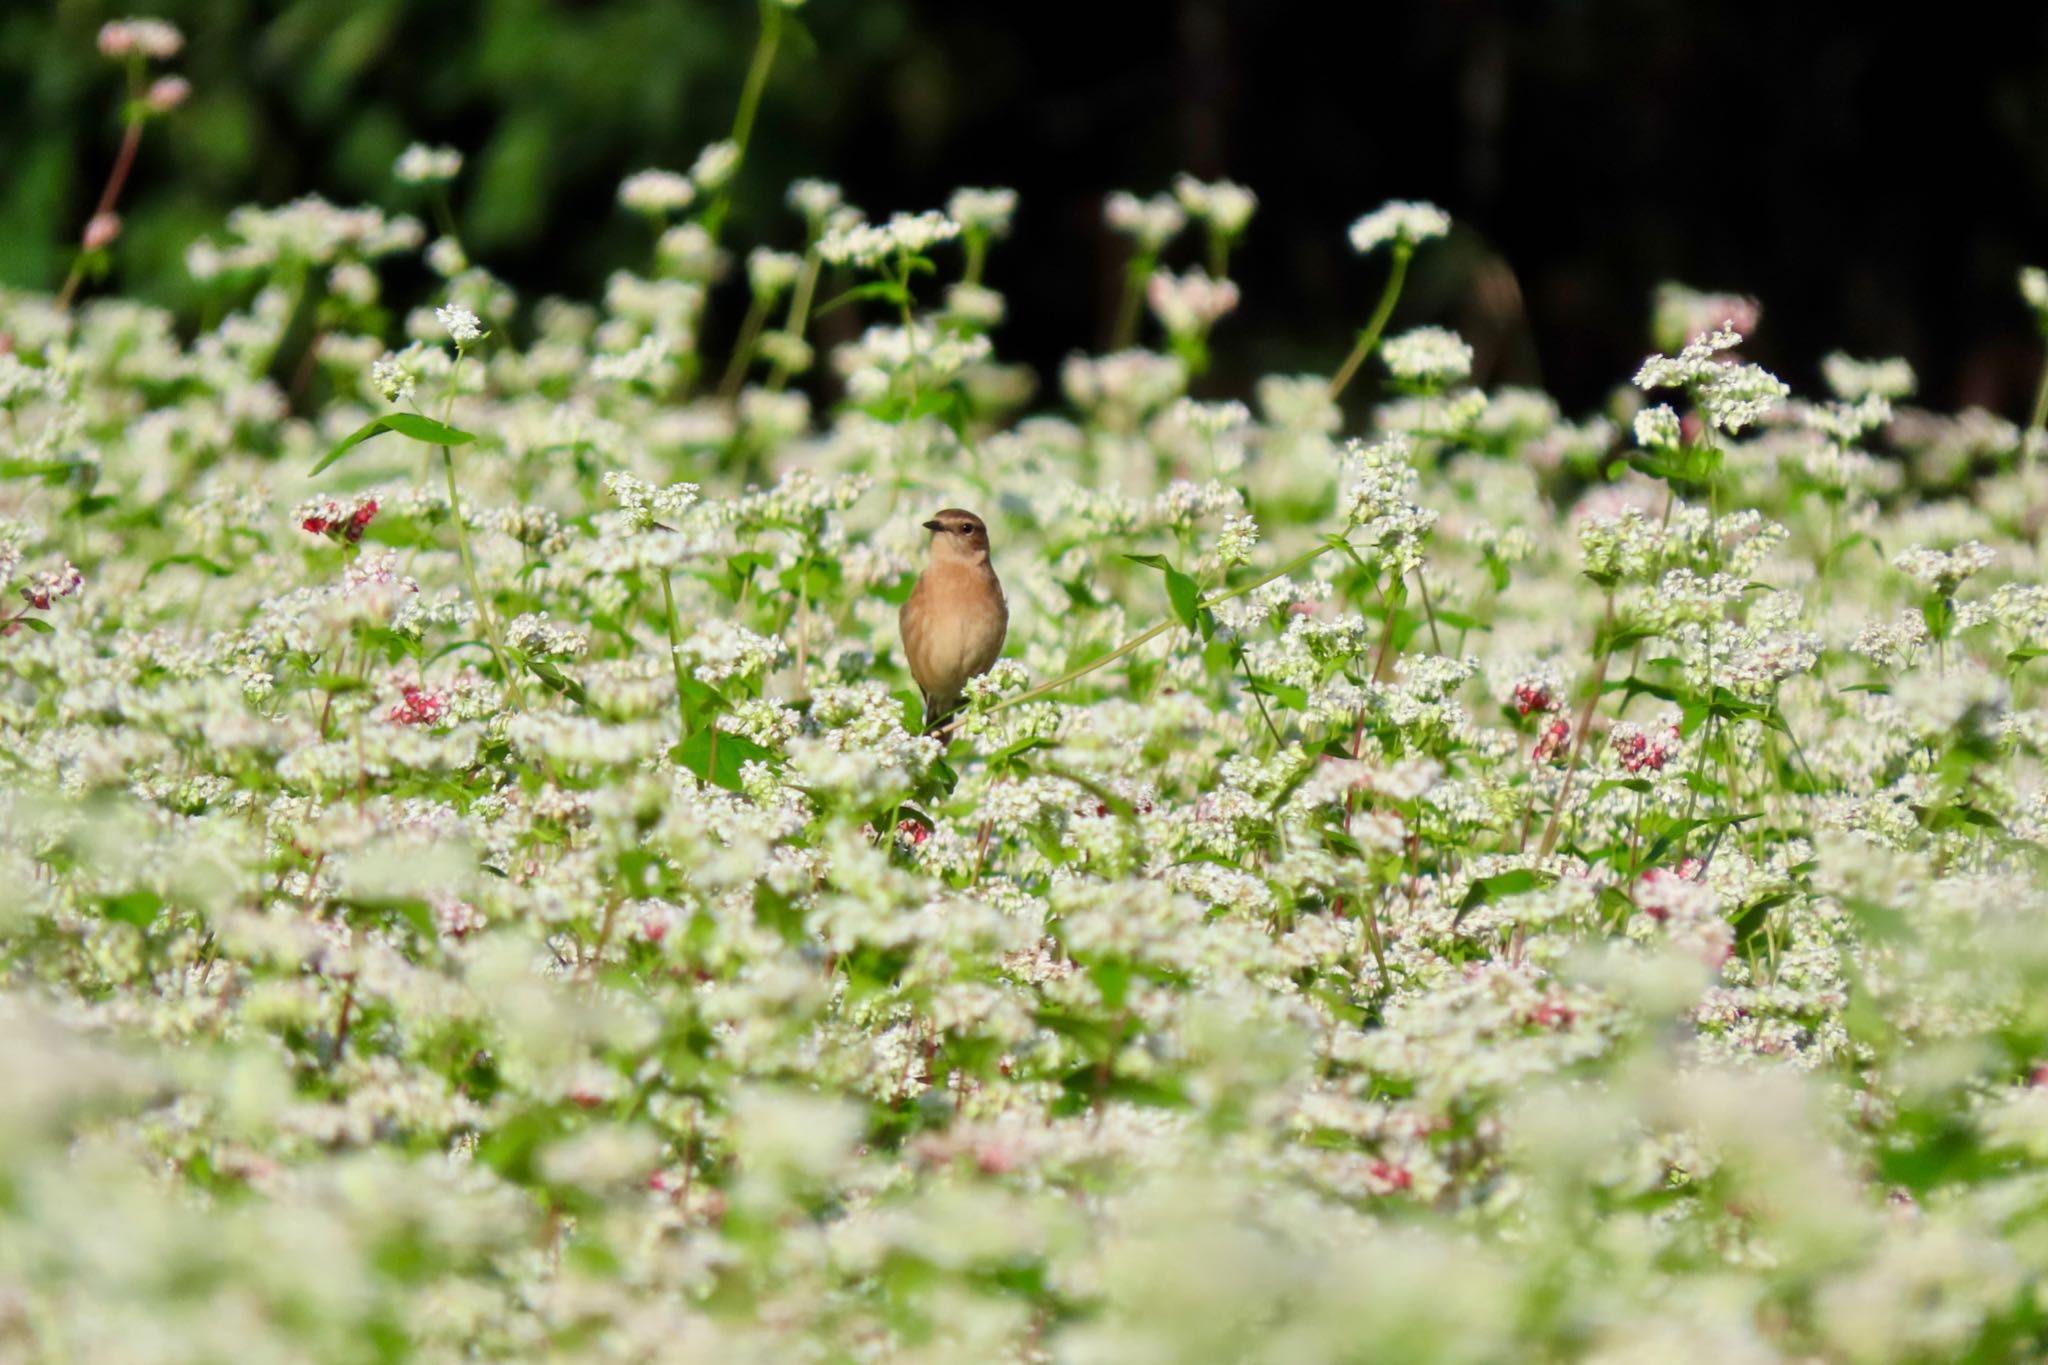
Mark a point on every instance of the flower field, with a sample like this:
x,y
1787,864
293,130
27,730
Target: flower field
x,y
1432,877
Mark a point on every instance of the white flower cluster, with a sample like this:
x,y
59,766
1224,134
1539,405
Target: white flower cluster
x,y
1732,395
871,245
420,164
1428,355
1400,222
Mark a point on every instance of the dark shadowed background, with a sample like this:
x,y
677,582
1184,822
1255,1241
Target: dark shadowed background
x,y
1876,182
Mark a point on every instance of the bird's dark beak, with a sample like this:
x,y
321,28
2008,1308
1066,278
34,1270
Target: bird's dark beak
x,y
935,525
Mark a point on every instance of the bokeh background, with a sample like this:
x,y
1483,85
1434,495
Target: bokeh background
x,y
1875,181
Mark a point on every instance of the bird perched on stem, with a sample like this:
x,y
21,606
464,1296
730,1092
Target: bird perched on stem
x,y
955,620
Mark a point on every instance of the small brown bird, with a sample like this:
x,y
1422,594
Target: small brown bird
x,y
956,619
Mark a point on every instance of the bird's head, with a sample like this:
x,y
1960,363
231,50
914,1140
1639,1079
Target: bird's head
x,y
958,535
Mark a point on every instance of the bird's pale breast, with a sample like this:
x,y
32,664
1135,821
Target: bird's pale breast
x,y
953,627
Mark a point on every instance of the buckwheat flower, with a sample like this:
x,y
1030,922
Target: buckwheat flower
x,y
463,326
974,305
392,380
336,520
1944,572
865,244
690,251
101,230
1854,380
814,199
1239,536
53,585
166,93
1402,222
1732,395
1225,206
1188,305
986,211
1428,355
2034,289
1640,751
446,258
353,282
420,164
532,633
153,38
418,706
644,504
1152,223
1657,428
1891,644
657,192
715,165
1535,694
769,273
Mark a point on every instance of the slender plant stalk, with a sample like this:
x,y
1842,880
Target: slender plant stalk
x,y
2039,420
675,648
743,350
750,104
799,313
1369,339
1571,767
110,193
1135,276
476,590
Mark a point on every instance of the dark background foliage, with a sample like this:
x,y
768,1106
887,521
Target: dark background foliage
x,y
1875,181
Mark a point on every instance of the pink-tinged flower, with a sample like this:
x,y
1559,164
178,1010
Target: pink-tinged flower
x,y
1553,1014
1552,741
327,517
144,37
167,93
457,919
51,585
1638,751
101,230
1533,696
419,707
911,832
1393,1177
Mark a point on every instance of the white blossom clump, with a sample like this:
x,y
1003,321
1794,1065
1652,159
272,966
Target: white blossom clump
x,y
1400,222
1428,355
420,164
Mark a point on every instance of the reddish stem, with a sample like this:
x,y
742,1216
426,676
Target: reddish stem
x,y
124,160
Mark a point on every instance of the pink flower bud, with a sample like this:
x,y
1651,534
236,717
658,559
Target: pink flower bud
x,y
167,93
116,40
101,231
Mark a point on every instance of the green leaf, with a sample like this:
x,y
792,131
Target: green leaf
x,y
1500,886
556,679
715,756
195,561
408,424
138,908
36,624
1151,561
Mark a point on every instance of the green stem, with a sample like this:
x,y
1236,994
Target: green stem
x,y
1370,337
750,103
743,349
2037,421
1571,767
799,313
675,649
1135,277
476,591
